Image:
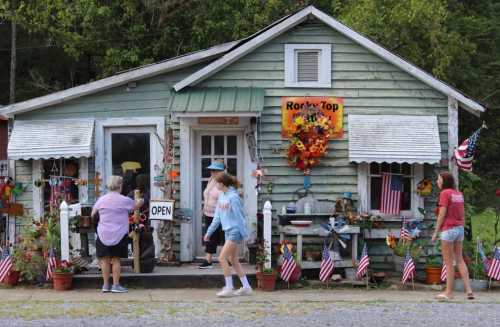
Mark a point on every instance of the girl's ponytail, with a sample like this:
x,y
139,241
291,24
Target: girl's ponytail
x,y
228,180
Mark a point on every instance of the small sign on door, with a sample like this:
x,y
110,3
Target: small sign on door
x,y
161,209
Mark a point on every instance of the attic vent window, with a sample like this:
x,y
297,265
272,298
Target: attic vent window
x,y
308,65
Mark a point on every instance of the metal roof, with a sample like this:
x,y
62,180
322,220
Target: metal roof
x,y
45,139
219,99
393,138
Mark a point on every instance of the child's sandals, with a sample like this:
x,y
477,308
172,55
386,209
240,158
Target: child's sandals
x,y
443,297
470,296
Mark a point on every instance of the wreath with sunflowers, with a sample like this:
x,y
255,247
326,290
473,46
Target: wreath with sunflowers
x,y
309,140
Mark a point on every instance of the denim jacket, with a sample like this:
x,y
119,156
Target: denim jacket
x,y
230,213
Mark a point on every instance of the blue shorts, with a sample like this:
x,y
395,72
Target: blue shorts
x,y
233,235
454,234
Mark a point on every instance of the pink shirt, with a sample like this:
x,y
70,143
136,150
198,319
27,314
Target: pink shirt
x,y
453,200
113,211
210,196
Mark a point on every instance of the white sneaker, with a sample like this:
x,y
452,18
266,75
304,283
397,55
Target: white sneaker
x,y
244,291
226,292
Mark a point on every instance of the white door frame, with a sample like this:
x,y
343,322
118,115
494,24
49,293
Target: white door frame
x,y
131,124
188,128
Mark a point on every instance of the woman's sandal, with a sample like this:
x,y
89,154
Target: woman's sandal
x,y
443,297
470,296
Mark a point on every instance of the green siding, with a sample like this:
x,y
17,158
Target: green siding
x,y
24,175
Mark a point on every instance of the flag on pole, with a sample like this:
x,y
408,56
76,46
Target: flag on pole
x,y
289,264
443,272
363,264
409,268
5,264
405,233
392,189
464,154
494,271
327,265
484,259
51,265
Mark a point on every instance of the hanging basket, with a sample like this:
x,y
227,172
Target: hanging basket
x,y
62,281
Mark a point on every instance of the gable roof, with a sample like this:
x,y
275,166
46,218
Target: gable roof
x,y
118,79
301,16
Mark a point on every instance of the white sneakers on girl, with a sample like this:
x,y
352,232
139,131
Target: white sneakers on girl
x,y
244,291
226,292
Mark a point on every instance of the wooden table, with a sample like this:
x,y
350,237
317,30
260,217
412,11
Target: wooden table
x,y
313,230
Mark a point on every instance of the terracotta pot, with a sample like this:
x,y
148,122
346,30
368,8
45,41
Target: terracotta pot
x,y
62,281
12,278
432,275
266,282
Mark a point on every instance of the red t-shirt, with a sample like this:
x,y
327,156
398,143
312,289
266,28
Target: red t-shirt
x,y
453,201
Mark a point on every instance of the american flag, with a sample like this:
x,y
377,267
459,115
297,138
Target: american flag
x,y
5,264
409,268
464,154
51,265
392,189
405,233
443,272
494,271
327,265
363,264
484,259
289,264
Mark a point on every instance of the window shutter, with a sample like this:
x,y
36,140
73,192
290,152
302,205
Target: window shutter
x,y
307,66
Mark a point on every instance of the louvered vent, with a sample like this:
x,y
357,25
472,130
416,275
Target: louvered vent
x,y
307,66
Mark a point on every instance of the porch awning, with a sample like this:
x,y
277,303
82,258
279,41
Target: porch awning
x,y
394,138
45,139
224,100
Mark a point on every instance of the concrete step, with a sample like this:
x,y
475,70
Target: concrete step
x,y
184,276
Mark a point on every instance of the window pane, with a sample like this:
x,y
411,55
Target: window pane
x,y
406,205
219,144
406,169
385,167
205,162
374,168
231,145
375,190
232,166
395,168
206,145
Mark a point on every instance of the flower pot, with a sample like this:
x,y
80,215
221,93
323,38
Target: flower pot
x,y
12,278
62,281
432,275
475,284
266,281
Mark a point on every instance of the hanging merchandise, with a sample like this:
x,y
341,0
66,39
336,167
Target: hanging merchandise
x,y
258,174
424,187
97,184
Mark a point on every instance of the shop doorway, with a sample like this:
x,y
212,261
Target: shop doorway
x,y
213,145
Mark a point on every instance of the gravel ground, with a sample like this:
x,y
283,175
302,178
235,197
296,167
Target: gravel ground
x,y
250,312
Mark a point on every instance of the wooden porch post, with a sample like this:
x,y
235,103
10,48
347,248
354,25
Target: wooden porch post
x,y
452,135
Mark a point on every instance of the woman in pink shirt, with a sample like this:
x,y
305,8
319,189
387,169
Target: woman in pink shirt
x,y
450,223
210,196
112,232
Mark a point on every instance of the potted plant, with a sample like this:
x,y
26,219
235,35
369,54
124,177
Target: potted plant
x,y
401,248
62,277
266,279
433,265
261,255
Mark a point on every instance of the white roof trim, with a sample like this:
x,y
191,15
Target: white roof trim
x,y
46,139
116,80
244,49
297,18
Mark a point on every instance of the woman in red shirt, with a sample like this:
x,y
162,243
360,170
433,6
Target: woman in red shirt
x,y
450,223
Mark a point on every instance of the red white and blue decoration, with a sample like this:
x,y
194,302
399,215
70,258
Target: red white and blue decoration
x,y
327,265
288,266
408,269
464,154
392,190
363,264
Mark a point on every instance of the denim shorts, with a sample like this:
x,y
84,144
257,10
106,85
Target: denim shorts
x,y
454,234
233,235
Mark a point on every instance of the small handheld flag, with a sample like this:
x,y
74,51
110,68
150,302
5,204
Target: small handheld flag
x,y
327,265
51,265
494,271
289,264
363,264
443,272
409,268
5,264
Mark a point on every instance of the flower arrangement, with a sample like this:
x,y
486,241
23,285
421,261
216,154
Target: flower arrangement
x,y
64,267
309,140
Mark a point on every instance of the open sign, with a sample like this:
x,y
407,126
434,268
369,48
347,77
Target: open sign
x,y
161,209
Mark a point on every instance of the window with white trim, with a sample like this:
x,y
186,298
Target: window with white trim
x,y
375,184
308,65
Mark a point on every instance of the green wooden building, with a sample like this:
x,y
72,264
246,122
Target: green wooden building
x,y
225,102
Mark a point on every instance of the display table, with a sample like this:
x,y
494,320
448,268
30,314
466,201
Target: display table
x,y
314,230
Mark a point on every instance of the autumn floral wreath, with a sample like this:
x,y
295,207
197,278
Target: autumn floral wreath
x,y
309,140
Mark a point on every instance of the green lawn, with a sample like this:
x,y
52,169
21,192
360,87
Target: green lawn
x,y
483,225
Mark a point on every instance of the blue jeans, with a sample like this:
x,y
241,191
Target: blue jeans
x,y
233,235
454,234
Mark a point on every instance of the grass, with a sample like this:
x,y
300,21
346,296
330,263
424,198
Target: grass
x,y
483,225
